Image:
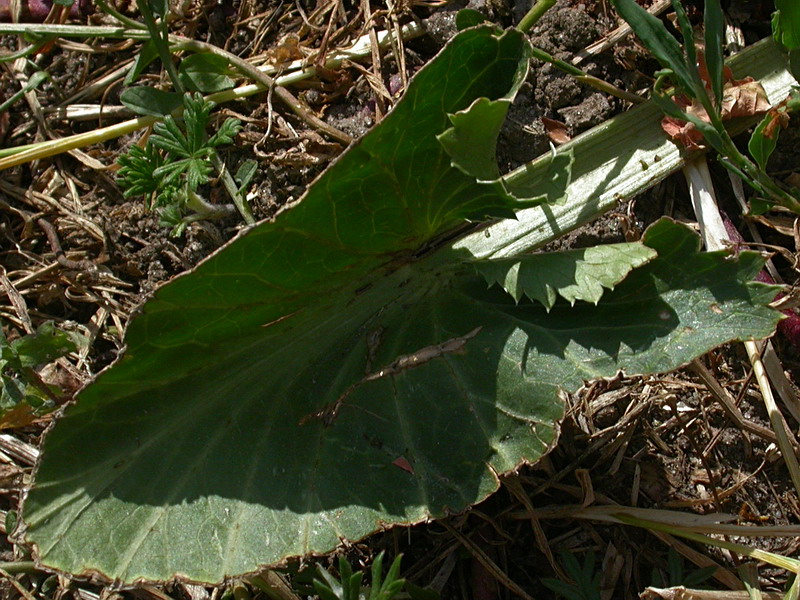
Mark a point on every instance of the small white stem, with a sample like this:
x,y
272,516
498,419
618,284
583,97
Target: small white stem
x,y
701,190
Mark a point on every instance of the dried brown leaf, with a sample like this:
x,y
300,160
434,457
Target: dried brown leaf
x,y
556,131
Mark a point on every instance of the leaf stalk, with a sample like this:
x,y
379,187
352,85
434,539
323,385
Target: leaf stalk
x,y
160,38
534,14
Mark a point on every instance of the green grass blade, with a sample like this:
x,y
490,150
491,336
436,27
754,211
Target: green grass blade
x,y
35,80
714,33
657,39
697,89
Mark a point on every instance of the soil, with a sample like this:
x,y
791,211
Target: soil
x,y
657,441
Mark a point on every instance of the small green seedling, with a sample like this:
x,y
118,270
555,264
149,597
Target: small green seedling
x,y
202,72
585,584
348,586
20,384
177,159
676,575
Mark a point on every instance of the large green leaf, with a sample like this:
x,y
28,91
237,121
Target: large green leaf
x,y
250,459
344,368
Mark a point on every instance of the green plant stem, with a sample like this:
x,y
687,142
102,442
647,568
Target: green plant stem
x,y
16,568
731,156
611,89
534,14
268,82
240,592
27,50
72,31
236,195
160,38
110,10
531,18
34,81
794,590
594,82
741,165
204,209
28,152
775,193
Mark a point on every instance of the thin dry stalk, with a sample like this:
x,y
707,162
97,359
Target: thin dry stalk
x,y
715,236
709,524
487,562
611,38
772,363
786,441
513,485
682,593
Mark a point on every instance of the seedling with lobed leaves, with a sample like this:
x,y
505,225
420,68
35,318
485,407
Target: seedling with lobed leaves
x,y
585,579
176,161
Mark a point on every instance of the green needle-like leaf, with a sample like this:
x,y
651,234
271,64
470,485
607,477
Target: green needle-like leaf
x,y
714,22
687,33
